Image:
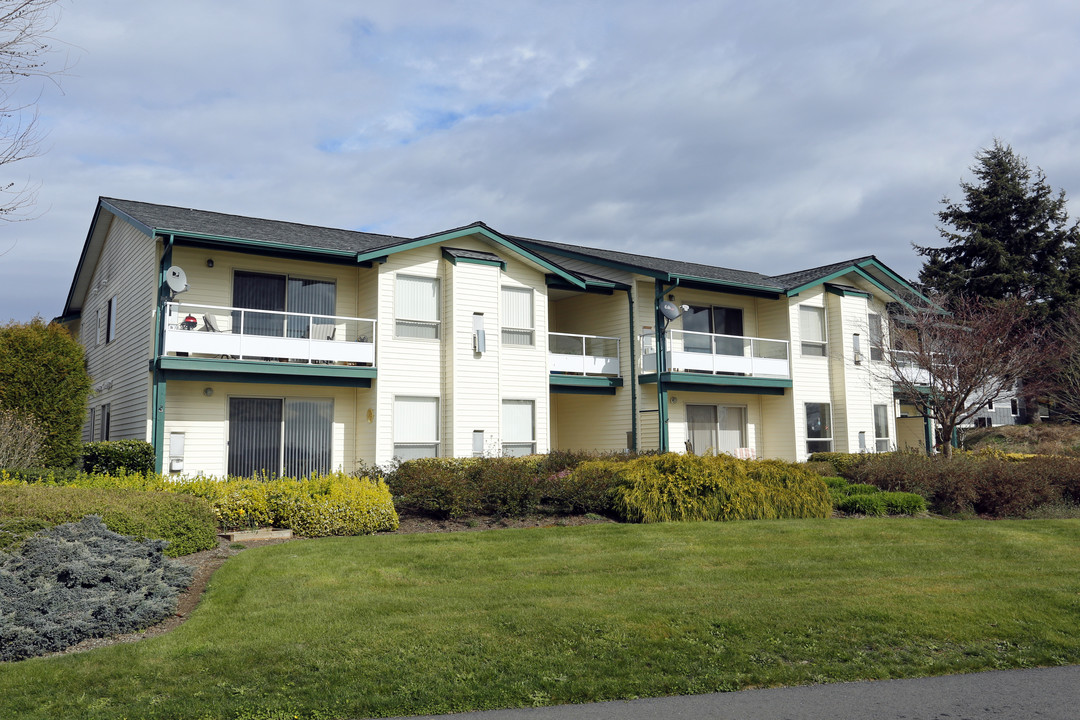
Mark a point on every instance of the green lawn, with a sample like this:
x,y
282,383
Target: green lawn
x,y
398,625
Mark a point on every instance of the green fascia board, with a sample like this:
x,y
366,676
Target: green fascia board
x,y
846,292
465,232
699,382
473,261
187,239
825,279
137,224
588,381
725,286
581,390
600,288
895,278
877,283
255,371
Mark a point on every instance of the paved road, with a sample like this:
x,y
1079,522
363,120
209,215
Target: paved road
x,y
1041,694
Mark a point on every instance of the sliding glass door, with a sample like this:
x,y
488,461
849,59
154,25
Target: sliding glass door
x,y
280,436
277,294
716,428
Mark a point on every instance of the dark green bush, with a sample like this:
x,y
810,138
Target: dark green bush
x,y
442,487
111,457
835,482
587,488
60,476
81,580
186,523
903,503
863,505
843,463
43,373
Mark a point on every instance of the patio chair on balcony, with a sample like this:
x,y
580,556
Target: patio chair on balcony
x,y
208,326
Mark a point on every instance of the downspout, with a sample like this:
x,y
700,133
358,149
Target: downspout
x,y
157,410
633,372
661,365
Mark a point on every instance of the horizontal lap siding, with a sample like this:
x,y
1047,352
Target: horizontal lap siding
x,y
204,421
810,375
472,385
523,371
127,269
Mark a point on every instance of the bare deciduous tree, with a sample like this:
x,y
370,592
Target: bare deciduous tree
x,y
950,365
24,53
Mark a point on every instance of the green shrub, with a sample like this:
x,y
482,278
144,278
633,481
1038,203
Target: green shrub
x,y
43,373
60,476
334,504
441,487
14,530
861,489
80,580
835,482
114,456
587,488
675,487
844,464
863,505
186,523
903,503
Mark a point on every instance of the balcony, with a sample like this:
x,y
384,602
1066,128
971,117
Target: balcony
x,y
907,369
697,352
230,333
583,364
583,354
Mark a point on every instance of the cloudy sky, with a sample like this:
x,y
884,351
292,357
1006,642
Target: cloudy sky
x,y
767,136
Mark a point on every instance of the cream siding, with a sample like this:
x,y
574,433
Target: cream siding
x,y
126,270
523,371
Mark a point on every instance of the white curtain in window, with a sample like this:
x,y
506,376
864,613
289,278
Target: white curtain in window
x,y
732,424
517,314
417,307
881,427
812,323
416,427
518,427
701,428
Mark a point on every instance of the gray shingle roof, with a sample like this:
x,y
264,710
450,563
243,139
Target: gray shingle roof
x,y
201,222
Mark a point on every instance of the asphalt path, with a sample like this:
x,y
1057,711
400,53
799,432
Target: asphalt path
x,y
1039,694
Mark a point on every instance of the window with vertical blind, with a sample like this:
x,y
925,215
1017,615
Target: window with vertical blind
x,y
278,294
518,427
292,437
517,316
416,307
812,330
877,337
416,427
881,428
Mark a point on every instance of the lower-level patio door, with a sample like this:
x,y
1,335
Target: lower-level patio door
x,y
292,437
720,428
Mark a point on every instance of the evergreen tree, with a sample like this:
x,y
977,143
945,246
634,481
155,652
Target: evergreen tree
x,y
1010,237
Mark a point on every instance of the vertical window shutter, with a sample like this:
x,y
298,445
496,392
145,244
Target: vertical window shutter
x,y
517,424
517,319
416,420
416,307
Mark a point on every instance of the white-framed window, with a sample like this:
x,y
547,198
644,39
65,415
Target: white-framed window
x,y
93,424
812,330
518,427
110,320
416,307
517,316
877,337
416,427
719,428
818,427
291,437
881,428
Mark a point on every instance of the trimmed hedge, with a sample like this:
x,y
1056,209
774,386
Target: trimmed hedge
x,y
186,523
332,504
115,456
673,487
81,580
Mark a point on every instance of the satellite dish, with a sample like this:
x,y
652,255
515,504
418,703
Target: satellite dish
x,y
176,279
669,309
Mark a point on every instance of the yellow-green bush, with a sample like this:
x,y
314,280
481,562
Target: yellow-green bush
x,y
333,504
674,487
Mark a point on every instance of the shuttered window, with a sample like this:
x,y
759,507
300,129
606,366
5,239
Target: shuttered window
x,y
517,316
416,307
416,427
518,427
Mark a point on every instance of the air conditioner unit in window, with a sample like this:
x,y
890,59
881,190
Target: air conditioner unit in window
x,y
858,358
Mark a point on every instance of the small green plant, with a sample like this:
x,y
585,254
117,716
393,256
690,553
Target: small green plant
x,y
874,505
111,457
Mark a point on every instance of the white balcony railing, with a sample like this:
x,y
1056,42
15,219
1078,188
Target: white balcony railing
x,y
583,354
906,369
245,334
689,351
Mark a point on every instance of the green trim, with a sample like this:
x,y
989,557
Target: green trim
x,y
157,426
258,247
701,381
465,232
733,288
585,381
895,278
138,225
454,260
877,283
822,280
158,395
929,435
847,292
253,371
597,288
